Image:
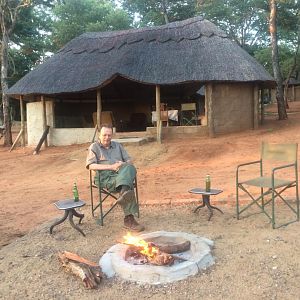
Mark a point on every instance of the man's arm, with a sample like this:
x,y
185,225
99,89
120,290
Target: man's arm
x,y
126,158
92,161
100,167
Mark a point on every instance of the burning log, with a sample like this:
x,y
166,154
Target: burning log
x,y
141,252
89,272
162,259
135,256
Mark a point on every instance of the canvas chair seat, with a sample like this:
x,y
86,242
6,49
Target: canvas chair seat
x,y
266,182
280,158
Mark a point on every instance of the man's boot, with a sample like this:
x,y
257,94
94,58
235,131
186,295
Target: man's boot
x,y
131,224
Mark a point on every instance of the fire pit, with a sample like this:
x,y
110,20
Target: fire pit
x,y
126,262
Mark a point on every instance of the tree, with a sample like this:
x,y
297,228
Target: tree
x,y
275,61
28,42
244,21
158,12
74,17
9,11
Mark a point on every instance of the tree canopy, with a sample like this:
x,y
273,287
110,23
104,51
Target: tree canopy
x,y
74,17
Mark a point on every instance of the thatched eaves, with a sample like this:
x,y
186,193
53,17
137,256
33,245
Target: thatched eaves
x,y
194,50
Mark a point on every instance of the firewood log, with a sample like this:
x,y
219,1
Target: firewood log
x,y
75,257
162,259
89,272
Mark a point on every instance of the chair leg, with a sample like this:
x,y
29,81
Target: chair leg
x,y
273,210
137,197
297,200
101,207
237,201
91,194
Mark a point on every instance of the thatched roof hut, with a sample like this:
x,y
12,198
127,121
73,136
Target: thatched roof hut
x,y
179,52
178,58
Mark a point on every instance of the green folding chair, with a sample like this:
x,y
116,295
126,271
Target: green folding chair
x,y
188,114
271,186
103,195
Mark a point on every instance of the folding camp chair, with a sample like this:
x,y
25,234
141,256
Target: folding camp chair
x,y
188,114
104,194
270,185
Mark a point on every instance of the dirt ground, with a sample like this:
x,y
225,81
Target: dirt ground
x,y
252,261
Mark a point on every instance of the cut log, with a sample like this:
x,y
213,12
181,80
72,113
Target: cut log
x,y
89,272
75,257
161,259
169,244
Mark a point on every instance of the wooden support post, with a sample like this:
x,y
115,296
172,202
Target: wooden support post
x,y
22,120
99,108
262,107
293,93
255,106
17,139
210,114
42,139
44,119
158,120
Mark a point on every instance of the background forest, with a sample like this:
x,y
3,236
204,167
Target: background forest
x,y
32,30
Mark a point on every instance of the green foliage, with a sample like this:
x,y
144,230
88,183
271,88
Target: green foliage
x,y
29,40
286,61
74,17
244,21
247,22
151,12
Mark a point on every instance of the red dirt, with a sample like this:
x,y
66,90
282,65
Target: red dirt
x,y
31,183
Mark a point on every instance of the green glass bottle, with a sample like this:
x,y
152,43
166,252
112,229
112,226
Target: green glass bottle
x,y
75,192
207,183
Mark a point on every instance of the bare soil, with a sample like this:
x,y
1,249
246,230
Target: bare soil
x,y
252,261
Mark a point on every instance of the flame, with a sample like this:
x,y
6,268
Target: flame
x,y
146,248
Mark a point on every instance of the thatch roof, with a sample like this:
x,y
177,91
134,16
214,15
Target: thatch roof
x,y
194,50
293,81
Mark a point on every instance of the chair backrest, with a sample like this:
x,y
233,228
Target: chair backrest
x,y
279,152
188,106
164,115
106,118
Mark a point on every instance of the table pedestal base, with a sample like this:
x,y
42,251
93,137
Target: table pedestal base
x,y
69,213
206,202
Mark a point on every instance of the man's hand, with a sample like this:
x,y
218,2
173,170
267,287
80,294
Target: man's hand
x,y
117,165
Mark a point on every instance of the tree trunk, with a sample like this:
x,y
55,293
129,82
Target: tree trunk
x,y
291,72
4,86
165,13
275,62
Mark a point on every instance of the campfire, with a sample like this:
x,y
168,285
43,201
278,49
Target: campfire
x,y
157,257
142,252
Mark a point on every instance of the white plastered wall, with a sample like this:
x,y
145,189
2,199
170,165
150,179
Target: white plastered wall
x,y
35,120
56,136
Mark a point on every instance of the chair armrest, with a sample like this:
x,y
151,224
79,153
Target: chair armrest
x,y
245,164
249,163
282,167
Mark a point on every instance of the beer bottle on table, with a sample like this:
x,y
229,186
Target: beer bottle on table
x,y
75,192
207,183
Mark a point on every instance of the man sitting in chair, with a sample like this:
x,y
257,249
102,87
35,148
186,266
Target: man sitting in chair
x,y
117,173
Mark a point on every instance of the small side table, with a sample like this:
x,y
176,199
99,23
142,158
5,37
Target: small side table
x,y
206,199
69,206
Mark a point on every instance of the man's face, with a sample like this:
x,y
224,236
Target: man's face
x,y
105,136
